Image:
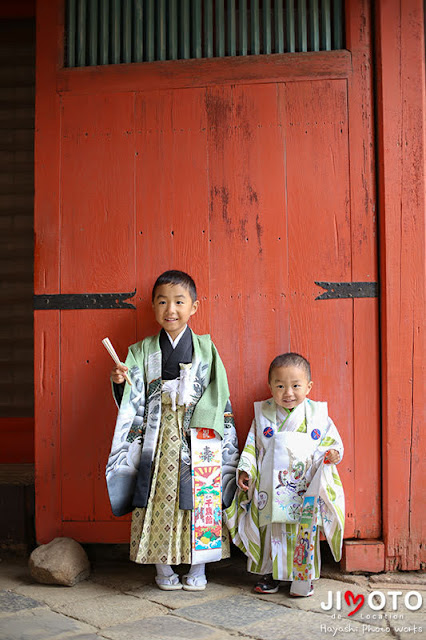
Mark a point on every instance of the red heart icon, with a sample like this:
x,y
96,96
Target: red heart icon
x,y
360,598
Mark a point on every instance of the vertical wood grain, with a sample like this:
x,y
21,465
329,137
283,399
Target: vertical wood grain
x,y
48,475
401,153
97,254
87,409
171,197
49,57
363,215
319,237
97,164
250,188
248,256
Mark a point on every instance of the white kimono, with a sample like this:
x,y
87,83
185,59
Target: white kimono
x,y
281,455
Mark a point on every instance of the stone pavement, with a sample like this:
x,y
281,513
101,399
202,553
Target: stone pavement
x,y
120,601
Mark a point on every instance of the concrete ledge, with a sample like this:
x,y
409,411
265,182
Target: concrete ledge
x,y
363,555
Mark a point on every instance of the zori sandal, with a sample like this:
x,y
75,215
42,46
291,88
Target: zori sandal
x,y
194,583
168,583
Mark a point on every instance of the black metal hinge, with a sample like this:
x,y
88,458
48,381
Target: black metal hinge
x,y
348,290
67,301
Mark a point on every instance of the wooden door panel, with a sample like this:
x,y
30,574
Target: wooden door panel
x,y
97,204
97,255
257,177
247,187
319,228
248,238
87,407
171,195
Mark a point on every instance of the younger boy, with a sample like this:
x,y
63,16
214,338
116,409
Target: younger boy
x,y
289,439
174,450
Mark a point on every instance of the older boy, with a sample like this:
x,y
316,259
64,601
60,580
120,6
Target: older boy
x,y
289,439
174,448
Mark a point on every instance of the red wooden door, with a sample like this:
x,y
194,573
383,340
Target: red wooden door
x,y
256,178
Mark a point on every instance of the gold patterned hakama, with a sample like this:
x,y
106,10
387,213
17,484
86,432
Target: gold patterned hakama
x,y
161,532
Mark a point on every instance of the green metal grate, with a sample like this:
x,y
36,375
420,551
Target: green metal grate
x,y
100,32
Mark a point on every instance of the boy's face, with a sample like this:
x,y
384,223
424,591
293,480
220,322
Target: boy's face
x,y
289,386
173,307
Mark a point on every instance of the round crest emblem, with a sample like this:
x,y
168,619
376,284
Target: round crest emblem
x,y
315,434
262,500
268,432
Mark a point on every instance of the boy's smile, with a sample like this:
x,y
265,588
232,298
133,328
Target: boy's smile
x,y
289,386
173,306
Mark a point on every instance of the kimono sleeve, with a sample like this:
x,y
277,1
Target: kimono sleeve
x,y
119,389
230,455
123,461
248,458
330,440
212,404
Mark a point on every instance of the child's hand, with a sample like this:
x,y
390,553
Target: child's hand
x,y
331,456
243,480
117,374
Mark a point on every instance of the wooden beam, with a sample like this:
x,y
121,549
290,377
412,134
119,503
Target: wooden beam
x,y
201,73
47,274
363,555
401,116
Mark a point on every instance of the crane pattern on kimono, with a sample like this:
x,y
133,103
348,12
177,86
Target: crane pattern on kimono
x,y
292,480
292,485
324,512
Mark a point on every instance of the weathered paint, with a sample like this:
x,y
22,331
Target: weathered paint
x,y
401,153
49,29
363,555
367,497
254,177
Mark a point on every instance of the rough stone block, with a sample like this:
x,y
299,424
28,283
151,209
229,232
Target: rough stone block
x,y
110,611
41,624
166,627
61,561
234,613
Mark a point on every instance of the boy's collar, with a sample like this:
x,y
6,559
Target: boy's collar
x,y
175,342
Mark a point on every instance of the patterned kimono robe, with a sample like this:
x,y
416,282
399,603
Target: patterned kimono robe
x,y
282,453
140,421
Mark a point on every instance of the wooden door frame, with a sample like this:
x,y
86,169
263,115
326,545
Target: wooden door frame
x,y
401,149
400,169
47,259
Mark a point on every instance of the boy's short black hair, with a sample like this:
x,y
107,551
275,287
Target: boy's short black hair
x,y
290,360
174,277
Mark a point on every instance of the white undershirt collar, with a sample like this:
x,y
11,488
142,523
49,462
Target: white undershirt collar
x,y
175,342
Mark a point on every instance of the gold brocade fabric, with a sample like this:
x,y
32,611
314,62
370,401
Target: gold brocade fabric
x,y
161,532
